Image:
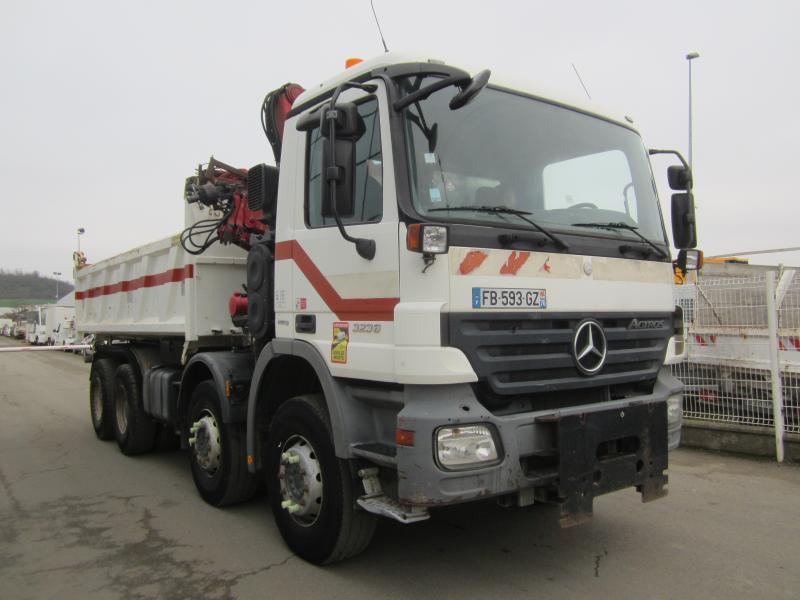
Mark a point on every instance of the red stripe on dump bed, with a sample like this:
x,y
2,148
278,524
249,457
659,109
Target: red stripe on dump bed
x,y
346,309
146,281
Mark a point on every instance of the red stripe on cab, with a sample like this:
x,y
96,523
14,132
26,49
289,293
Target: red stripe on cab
x,y
346,309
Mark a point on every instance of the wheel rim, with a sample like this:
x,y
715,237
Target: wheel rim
x,y
97,402
300,477
121,404
206,442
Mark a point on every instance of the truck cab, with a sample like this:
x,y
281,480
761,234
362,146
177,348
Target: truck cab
x,y
520,287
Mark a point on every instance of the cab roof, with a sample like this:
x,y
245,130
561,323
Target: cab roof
x,y
362,70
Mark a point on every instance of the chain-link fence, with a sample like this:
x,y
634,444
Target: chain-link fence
x,y
743,350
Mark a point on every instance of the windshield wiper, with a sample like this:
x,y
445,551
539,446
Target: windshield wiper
x,y
631,228
503,210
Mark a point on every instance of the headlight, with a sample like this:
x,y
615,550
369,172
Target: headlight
x,y
674,410
428,239
463,447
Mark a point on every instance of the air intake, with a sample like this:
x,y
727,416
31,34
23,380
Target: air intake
x,y
262,190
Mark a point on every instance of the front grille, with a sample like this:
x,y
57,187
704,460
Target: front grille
x,y
531,353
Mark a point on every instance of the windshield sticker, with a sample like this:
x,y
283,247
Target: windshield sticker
x,y
472,261
435,194
430,158
341,337
514,263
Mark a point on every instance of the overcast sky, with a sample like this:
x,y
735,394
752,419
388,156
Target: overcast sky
x,y
107,106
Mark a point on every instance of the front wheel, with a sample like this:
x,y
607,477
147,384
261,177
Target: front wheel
x,y
311,491
218,454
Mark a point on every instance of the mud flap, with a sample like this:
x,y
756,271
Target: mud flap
x,y
605,451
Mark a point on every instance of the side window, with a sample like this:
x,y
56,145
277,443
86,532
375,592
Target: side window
x,y
368,176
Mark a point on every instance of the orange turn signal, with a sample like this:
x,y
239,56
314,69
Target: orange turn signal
x,y
404,437
413,237
352,62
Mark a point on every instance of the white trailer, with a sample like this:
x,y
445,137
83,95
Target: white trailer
x,y
160,290
728,370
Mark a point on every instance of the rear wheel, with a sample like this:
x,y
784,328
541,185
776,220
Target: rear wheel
x,y
218,454
101,397
134,429
311,491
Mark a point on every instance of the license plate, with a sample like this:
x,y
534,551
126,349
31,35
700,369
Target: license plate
x,y
508,298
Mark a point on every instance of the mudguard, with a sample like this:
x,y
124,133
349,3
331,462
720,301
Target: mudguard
x,y
335,398
231,372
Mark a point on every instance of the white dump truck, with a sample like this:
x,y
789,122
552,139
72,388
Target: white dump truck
x,y
450,289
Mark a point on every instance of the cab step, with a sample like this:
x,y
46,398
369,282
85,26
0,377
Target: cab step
x,y
374,501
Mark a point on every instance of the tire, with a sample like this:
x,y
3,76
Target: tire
x,y
135,431
328,527
101,398
218,451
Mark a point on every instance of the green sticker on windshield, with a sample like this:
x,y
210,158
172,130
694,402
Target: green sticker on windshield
x,y
436,195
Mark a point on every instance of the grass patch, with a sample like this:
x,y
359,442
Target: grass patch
x,y
14,302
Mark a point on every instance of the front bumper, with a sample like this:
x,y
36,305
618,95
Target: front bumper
x,y
567,456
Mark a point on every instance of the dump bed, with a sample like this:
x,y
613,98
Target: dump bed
x,y
159,290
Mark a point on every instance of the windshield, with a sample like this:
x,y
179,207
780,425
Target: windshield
x,y
564,168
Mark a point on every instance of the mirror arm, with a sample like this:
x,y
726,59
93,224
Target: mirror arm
x,y
413,97
364,247
653,151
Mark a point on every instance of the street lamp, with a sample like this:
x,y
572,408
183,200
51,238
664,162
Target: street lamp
x,y
690,57
57,274
81,231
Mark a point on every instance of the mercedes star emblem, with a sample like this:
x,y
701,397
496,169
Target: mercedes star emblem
x,y
589,347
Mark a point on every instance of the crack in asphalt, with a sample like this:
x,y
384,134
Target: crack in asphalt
x,y
597,558
15,503
94,530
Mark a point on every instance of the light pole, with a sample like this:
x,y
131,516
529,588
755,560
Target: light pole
x,y
690,57
81,231
57,274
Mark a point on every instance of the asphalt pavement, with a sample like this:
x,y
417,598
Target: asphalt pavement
x,y
80,520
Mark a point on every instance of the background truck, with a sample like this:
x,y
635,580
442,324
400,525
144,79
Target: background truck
x,y
35,330
727,370
55,318
445,291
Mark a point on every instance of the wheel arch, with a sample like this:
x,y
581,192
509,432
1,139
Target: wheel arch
x,y
230,372
303,370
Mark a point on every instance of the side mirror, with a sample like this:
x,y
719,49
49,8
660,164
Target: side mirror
x,y
349,127
679,177
343,170
472,89
684,229
690,260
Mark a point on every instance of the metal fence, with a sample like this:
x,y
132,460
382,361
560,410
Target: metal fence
x,y
743,351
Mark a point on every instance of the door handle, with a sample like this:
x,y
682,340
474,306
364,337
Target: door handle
x,y
305,323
